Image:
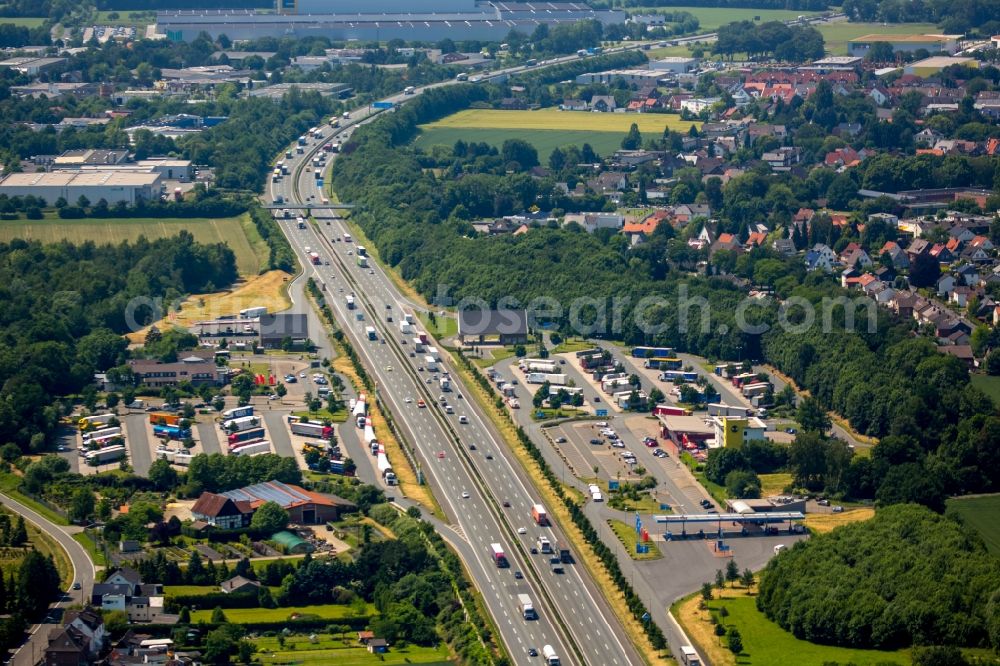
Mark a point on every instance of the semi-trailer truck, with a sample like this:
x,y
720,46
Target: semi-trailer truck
x,y
307,429
242,423
105,455
97,421
171,432
370,332
250,448
250,313
103,433
237,413
539,516
527,608
314,258
362,261
164,418
350,302
246,436
689,657
431,363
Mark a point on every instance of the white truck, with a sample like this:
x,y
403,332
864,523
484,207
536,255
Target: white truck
x,y
251,448
241,424
526,607
689,657
250,313
105,455
550,656
445,383
431,363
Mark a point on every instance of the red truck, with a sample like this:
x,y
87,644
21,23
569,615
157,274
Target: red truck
x,y
538,515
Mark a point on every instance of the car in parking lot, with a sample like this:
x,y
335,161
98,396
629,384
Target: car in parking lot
x,y
597,442
560,440
837,509
791,431
823,502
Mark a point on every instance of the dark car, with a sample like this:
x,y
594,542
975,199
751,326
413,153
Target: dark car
x,y
489,456
532,652
506,504
472,447
596,442
518,575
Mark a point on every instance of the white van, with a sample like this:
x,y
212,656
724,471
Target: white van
x,y
780,547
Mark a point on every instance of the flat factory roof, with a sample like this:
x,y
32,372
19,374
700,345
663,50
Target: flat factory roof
x,y
893,39
81,179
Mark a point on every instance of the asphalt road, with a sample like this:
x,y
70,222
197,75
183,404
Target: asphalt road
x,y
479,520
140,454
83,573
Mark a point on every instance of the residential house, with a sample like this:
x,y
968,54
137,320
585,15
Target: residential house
x,y
222,512
962,352
609,182
975,254
574,105
960,296
961,233
784,246
637,232
730,242
784,158
968,275
602,103
857,259
945,285
896,255
684,213
756,239
941,252
981,242
239,585
591,222
880,95
843,158
378,646
927,137
903,303
124,590
917,247
820,257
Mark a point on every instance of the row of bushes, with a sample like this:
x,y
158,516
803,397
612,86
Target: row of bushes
x,y
281,256
605,554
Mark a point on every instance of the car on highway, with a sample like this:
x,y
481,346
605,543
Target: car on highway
x,y
465,494
532,652
489,456
409,400
518,575
441,455
388,368
420,368
421,403
506,504
521,530
472,447
463,419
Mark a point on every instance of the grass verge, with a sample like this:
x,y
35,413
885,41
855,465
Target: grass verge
x,y
764,642
9,484
626,534
442,327
342,650
827,522
95,554
611,593
572,345
774,484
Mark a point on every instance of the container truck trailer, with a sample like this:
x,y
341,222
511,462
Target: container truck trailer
x,y
164,418
250,448
171,432
105,455
498,556
250,313
539,516
307,429
246,436
241,423
237,413
101,434
93,422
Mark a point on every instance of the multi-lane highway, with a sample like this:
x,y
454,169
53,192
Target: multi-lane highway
x,y
574,619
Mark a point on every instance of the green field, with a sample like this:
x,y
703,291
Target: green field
x,y
329,649
10,558
251,615
711,18
236,232
766,643
25,21
837,35
982,513
545,129
988,385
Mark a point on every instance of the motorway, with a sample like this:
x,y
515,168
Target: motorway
x,y
574,619
83,572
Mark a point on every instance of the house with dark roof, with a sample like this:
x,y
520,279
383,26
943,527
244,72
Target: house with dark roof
x,y
191,368
505,326
79,641
304,507
239,585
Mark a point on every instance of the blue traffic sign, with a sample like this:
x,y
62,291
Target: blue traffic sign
x,y
381,105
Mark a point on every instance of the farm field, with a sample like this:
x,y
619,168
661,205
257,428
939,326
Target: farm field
x,y
236,232
837,35
711,18
982,513
140,17
328,649
10,558
545,129
764,641
251,615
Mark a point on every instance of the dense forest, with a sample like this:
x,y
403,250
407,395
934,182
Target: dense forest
x,y
940,434
907,576
65,308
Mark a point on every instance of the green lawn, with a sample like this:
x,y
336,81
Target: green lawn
x,y
328,649
572,345
837,35
24,21
988,385
138,17
544,141
236,232
561,413
96,556
766,643
441,327
10,558
982,513
251,615
626,534
9,484
324,414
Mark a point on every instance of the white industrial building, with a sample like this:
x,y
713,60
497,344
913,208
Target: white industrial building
x,y
112,186
169,169
640,77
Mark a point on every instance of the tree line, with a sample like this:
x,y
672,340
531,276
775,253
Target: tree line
x,y
793,43
905,577
66,307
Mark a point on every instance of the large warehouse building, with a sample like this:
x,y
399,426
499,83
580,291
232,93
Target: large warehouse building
x,y
112,186
425,20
